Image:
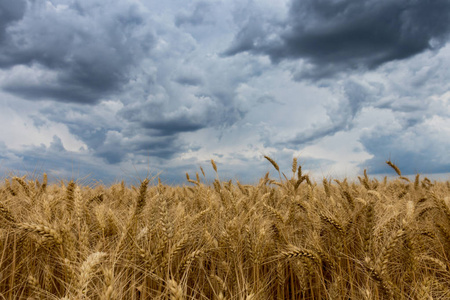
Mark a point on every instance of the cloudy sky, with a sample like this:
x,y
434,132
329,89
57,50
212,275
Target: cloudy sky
x,y
116,89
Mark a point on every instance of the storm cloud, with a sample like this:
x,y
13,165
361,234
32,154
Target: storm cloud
x,y
338,36
77,52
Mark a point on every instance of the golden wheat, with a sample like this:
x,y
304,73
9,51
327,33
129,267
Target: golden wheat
x,y
282,238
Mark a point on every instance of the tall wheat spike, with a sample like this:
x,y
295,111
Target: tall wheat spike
x,y
214,165
393,166
274,164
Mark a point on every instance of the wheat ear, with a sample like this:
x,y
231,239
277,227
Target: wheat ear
x,y
87,268
382,284
46,232
6,213
393,166
109,281
297,252
274,164
214,165
176,292
141,198
24,185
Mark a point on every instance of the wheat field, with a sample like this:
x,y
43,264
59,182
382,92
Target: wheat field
x,y
286,237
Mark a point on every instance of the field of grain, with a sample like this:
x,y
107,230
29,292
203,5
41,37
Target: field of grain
x,y
284,238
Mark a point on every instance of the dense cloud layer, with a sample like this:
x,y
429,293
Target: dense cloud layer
x,y
78,52
338,36
134,87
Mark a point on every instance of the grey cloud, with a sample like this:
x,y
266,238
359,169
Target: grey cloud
x,y
112,149
56,161
316,133
269,99
405,105
3,149
75,93
61,164
90,127
167,118
252,37
88,53
354,97
189,80
417,150
93,137
10,11
175,125
196,17
90,49
38,121
56,145
136,142
155,117
410,111
163,147
335,36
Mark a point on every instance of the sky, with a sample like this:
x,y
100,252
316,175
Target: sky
x,y
121,89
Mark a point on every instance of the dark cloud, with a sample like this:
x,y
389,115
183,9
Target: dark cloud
x,y
70,93
82,52
10,11
113,149
163,147
189,80
335,36
92,136
164,123
175,125
118,147
165,118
